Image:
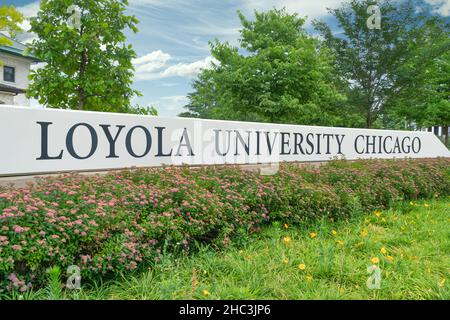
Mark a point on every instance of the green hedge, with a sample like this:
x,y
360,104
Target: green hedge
x,y
125,221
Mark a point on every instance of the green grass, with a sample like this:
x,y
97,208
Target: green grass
x,y
416,237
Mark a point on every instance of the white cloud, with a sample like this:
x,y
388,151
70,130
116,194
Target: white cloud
x,y
170,106
155,56
147,65
440,6
188,70
29,10
174,103
155,66
154,2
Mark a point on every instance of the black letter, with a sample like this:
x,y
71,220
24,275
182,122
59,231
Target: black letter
x,y
284,143
356,144
370,144
112,141
297,143
258,152
340,143
160,143
414,145
44,143
397,146
69,141
270,145
404,149
241,140
185,136
310,143
147,147
328,136
384,144
318,143
217,131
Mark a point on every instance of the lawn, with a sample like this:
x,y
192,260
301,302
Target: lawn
x,y
325,260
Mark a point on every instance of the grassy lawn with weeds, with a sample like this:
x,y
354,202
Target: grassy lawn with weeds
x,y
327,260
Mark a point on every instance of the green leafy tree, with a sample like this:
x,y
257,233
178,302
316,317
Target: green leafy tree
x,y
279,74
145,111
10,20
88,65
425,102
383,67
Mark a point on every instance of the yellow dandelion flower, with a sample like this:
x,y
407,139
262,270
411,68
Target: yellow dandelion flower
x,y
383,250
377,213
308,278
341,290
375,260
426,205
302,266
340,242
286,226
206,293
285,260
287,240
313,235
441,284
333,232
364,233
390,258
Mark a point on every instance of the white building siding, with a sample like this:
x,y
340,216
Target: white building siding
x,y
6,98
22,70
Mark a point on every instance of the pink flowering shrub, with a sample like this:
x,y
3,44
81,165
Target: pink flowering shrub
x,y
125,221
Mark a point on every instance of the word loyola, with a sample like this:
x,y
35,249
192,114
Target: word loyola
x,y
111,139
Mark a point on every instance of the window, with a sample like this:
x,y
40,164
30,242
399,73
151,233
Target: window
x,y
9,74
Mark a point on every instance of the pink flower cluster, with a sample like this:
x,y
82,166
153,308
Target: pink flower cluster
x,y
118,222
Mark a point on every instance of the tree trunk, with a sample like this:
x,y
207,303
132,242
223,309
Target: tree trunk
x,y
80,98
82,71
369,121
81,93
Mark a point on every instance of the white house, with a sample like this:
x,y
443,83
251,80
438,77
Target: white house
x,y
15,65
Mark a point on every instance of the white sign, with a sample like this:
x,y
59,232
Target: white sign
x,y
34,141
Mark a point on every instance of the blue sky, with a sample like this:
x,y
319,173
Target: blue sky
x,y
172,43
